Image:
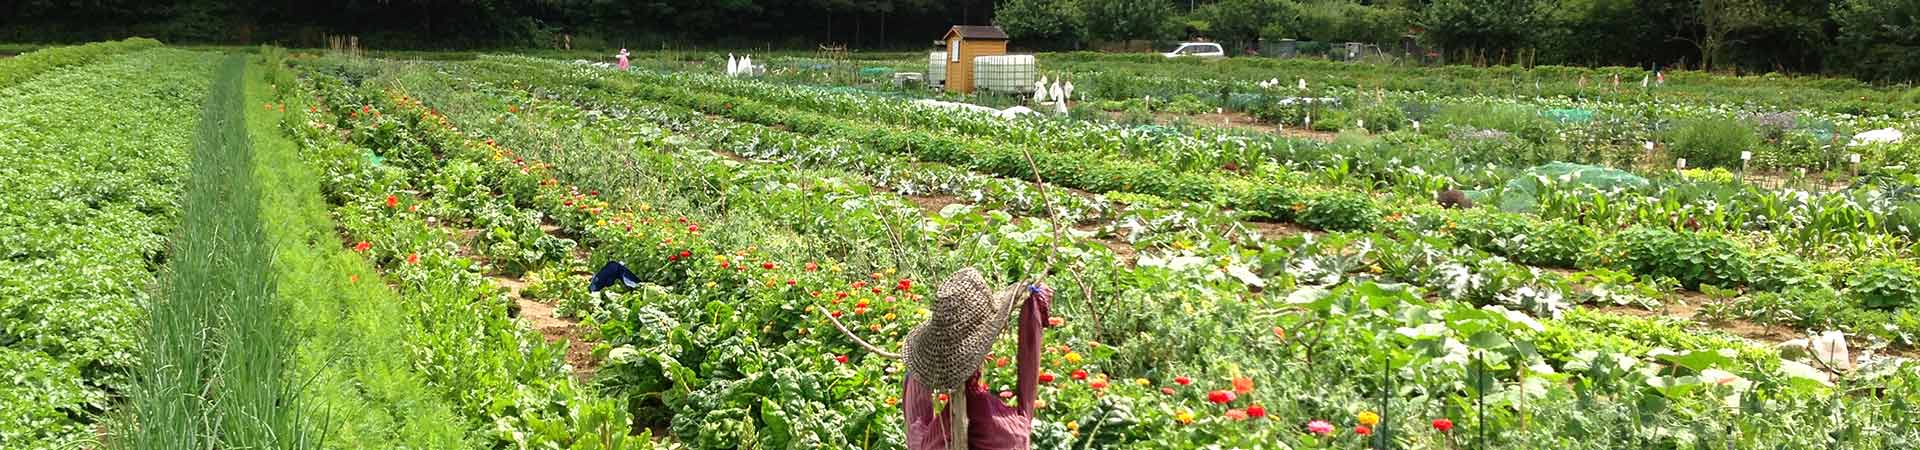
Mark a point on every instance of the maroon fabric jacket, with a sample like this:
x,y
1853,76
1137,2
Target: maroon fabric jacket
x,y
992,424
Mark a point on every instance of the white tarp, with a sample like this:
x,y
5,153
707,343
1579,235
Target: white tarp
x,y
1006,114
1880,136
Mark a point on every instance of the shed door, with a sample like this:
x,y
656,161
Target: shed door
x,y
953,50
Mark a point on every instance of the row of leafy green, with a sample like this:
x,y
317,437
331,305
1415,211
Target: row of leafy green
x,y
1417,165
1301,204
1117,76
21,68
487,380
738,338
95,159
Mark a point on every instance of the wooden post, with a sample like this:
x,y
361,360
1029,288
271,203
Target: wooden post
x,y
957,409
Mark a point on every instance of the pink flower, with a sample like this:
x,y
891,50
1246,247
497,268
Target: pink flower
x,y
1236,415
1320,427
1220,397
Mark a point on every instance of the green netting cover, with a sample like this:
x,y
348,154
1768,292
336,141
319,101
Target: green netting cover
x,y
1566,116
1521,193
876,72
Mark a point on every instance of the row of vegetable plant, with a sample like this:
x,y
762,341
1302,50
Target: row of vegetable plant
x,y
95,159
706,314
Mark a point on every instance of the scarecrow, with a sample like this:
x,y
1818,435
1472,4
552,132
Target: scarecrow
x,y
944,355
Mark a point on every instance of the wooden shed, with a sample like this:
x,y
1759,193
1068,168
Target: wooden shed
x,y
965,42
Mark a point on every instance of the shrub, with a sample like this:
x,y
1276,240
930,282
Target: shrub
x,y
1774,271
1382,117
1274,202
1340,212
1886,284
1713,142
1552,244
1693,259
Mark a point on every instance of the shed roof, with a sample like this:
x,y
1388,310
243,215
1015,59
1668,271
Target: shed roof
x,y
985,32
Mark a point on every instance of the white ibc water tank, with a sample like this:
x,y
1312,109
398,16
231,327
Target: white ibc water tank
x,y
936,69
1004,73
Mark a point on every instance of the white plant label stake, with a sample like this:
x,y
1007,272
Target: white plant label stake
x,y
1363,124
1416,126
1680,164
1648,146
1746,156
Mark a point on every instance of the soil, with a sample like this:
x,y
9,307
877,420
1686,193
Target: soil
x,y
541,316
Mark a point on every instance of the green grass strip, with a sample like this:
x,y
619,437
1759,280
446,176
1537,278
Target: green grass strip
x,y
214,372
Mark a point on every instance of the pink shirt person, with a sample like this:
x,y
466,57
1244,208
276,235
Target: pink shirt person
x,y
623,59
994,425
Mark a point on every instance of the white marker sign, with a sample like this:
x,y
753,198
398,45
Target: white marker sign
x,y
1746,156
1681,163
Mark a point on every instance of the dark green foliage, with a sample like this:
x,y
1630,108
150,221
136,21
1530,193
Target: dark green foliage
x,y
1713,142
1693,259
1340,212
1886,284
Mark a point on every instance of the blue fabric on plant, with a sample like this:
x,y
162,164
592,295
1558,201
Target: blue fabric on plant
x,y
613,272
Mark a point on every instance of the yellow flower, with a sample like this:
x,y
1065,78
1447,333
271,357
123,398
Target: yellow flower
x,y
711,284
721,259
922,312
1368,418
890,271
1184,416
889,317
1073,357
1142,381
893,401
1073,426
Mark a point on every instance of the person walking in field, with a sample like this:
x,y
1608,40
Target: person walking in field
x,y
623,59
945,353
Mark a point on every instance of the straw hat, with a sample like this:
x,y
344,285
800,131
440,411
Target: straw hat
x,y
943,352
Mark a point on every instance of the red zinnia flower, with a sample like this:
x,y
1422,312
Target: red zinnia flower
x,y
811,266
1256,411
1220,397
393,202
362,246
840,359
836,314
413,258
943,396
1362,430
1056,321
791,282
1443,425
859,284
905,284
685,254
1098,384
1183,381
766,265
1000,362
1079,374
693,228
1046,377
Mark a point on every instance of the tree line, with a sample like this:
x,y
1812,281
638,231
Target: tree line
x,y
1869,39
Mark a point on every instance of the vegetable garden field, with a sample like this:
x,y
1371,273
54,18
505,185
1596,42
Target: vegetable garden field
x,y
267,248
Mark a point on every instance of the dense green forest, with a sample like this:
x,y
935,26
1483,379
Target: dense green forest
x,y
1870,39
